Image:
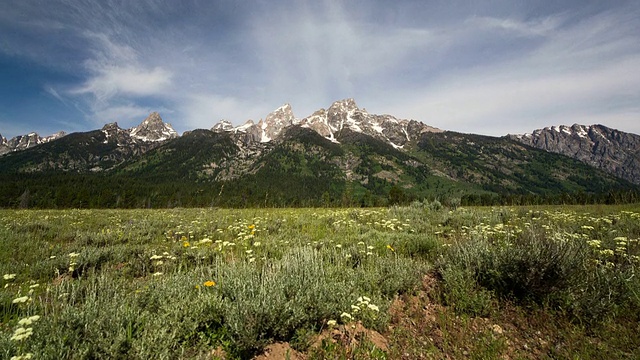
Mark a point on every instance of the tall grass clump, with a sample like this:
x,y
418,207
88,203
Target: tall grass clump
x,y
530,268
304,289
555,271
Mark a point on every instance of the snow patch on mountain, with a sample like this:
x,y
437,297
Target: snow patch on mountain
x,y
611,150
23,142
153,129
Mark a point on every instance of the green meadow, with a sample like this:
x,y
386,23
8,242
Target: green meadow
x,y
421,281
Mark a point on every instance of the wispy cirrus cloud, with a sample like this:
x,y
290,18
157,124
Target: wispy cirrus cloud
x,y
578,71
112,81
460,65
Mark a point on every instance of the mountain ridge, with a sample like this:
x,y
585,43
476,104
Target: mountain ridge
x,y
341,155
608,149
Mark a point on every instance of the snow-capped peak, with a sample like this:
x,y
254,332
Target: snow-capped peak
x,y
345,114
223,125
153,129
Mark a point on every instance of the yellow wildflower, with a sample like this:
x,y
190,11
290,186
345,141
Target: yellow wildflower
x,y
209,283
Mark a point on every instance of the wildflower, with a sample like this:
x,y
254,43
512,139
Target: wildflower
x,y
346,315
186,244
373,307
157,273
339,246
390,247
197,286
155,257
606,252
257,243
594,243
22,299
74,254
209,283
22,357
21,334
29,320
332,323
52,257
9,276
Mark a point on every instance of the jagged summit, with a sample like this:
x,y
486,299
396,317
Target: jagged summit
x,y
345,114
275,122
608,149
23,142
223,125
153,129
111,126
329,123
292,153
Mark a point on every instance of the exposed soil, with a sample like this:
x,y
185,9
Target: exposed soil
x,y
421,328
280,351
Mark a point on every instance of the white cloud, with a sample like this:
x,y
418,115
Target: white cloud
x,y
111,81
116,70
329,53
585,73
492,70
536,27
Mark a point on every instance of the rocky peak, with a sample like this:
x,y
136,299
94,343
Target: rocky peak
x,y
222,126
608,149
345,114
55,136
110,127
153,129
275,122
4,147
22,142
113,132
343,106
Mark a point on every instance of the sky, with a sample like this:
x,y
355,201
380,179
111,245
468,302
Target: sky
x,y
486,67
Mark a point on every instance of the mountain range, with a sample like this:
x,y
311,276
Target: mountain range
x,y
337,156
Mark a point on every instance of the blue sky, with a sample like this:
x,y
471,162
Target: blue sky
x,y
486,67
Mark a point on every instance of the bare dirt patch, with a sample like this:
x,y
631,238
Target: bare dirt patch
x,y
279,351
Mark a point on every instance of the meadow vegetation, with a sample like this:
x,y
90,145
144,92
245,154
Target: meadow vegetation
x,y
419,281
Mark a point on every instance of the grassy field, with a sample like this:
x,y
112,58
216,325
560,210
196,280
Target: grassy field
x,y
421,281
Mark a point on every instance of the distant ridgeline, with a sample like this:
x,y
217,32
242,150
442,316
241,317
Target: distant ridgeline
x,y
341,156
